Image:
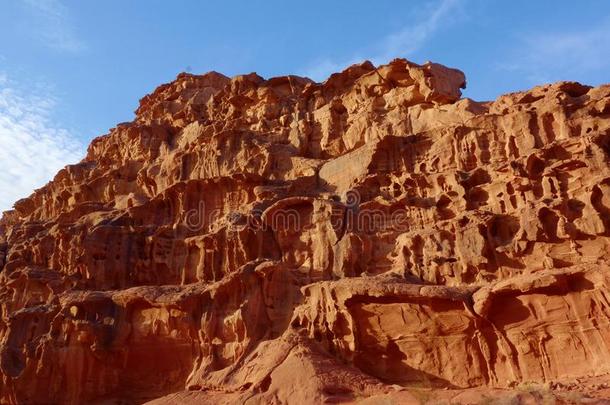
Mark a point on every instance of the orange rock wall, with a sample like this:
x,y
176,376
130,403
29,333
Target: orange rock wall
x,y
290,241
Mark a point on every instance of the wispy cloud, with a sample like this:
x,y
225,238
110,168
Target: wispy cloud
x,y
565,55
320,70
403,43
412,38
53,26
32,147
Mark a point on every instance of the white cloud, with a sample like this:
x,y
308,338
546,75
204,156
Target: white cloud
x,y
32,147
320,70
411,39
403,43
52,25
565,55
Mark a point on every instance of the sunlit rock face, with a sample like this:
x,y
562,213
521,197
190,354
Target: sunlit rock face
x,y
375,237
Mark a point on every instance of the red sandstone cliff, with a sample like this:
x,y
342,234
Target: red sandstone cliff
x,y
374,237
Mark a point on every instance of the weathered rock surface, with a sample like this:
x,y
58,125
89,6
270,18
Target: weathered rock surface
x,y
372,238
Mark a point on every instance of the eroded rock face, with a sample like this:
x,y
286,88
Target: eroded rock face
x,y
282,241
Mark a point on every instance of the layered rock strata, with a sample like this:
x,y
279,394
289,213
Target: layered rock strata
x,y
373,237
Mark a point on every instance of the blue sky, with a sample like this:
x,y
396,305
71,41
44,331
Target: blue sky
x,y
70,70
